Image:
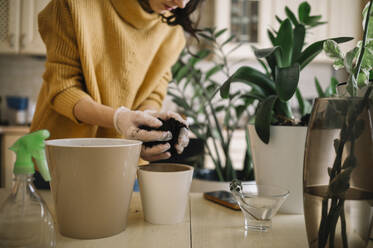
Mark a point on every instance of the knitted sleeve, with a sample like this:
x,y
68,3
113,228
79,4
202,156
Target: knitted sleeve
x,y
63,74
155,99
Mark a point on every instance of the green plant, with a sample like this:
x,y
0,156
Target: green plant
x,y
194,89
282,64
358,62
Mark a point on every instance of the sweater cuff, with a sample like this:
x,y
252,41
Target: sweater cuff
x,y
65,101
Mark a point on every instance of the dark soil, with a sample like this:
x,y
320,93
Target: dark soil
x,y
172,125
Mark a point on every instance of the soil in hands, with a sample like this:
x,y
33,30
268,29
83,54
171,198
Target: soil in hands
x,y
172,125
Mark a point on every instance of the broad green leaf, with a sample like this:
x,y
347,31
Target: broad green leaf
x,y
349,59
250,76
213,70
220,32
314,49
287,79
264,117
291,16
304,11
299,35
319,90
263,53
285,39
332,49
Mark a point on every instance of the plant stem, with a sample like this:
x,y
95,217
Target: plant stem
x,y
343,228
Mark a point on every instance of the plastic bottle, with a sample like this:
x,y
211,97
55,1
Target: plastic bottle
x,y
25,220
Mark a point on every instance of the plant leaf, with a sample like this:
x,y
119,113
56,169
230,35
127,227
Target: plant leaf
x,y
220,32
331,90
314,49
271,37
250,76
299,35
319,90
213,70
291,16
332,49
264,117
285,38
263,53
287,79
349,59
304,106
304,11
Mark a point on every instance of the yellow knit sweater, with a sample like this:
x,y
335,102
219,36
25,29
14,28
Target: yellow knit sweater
x,y
110,50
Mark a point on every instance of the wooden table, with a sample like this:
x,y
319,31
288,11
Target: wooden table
x,y
206,225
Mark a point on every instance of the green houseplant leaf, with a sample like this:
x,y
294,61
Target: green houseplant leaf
x,y
250,76
287,79
264,117
314,49
285,40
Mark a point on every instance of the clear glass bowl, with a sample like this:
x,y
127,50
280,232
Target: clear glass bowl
x,y
259,203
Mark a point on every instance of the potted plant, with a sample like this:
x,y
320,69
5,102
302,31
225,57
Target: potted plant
x,y
337,181
213,120
277,139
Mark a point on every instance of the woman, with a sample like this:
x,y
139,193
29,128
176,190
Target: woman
x,y
108,66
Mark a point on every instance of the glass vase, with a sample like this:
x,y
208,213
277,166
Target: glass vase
x,y
337,176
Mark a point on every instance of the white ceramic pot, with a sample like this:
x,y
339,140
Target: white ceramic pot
x,y
164,190
280,162
92,183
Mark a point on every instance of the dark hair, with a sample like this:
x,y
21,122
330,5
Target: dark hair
x,y
182,17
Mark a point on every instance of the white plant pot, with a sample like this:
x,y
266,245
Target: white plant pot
x,y
280,162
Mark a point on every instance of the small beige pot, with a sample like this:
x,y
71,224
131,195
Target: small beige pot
x,y
92,183
164,190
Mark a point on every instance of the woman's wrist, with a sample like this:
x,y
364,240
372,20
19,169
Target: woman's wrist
x,y
90,112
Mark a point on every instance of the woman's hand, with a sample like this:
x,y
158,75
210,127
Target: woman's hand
x,y
127,123
183,139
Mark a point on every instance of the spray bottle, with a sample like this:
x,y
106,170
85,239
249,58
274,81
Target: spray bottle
x,y
25,220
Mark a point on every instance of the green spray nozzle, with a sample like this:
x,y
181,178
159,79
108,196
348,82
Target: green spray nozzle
x,y
28,147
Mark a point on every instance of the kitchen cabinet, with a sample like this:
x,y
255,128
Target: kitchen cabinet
x,y
19,27
250,19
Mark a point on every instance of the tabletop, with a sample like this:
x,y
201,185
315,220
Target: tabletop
x,y
206,225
